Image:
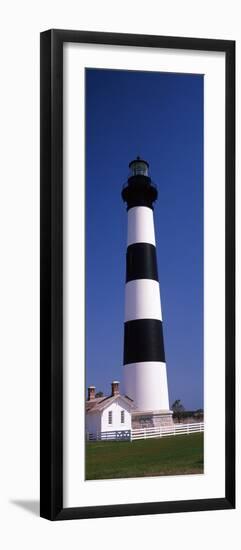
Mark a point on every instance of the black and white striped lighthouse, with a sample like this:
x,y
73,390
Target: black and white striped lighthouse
x,y
145,377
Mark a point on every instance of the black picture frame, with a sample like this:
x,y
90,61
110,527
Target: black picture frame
x,y
51,323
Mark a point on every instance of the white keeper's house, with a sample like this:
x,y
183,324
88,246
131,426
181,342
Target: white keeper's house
x,y
108,413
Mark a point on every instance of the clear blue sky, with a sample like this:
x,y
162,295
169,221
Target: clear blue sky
x,y
158,116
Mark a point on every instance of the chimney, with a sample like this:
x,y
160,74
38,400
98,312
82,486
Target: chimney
x,y
115,388
91,393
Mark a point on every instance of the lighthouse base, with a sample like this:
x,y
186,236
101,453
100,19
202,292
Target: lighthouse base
x,y
150,419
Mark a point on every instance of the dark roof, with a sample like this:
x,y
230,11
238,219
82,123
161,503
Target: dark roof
x,y
100,403
93,402
138,159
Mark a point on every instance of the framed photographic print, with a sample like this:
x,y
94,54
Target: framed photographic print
x,y
137,274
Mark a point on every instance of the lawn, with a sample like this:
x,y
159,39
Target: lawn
x,y
173,455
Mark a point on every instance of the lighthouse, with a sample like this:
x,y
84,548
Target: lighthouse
x,y
145,376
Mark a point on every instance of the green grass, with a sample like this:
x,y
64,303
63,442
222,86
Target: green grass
x,y
173,455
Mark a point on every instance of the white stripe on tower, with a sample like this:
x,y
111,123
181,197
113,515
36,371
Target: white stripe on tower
x,y
140,225
142,300
146,384
145,376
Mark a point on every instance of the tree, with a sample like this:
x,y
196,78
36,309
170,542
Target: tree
x,y
99,394
178,409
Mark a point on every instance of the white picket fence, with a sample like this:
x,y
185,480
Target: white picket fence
x,y
164,431
147,433
114,435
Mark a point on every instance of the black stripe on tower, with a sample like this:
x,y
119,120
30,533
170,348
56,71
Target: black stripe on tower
x,y
139,191
143,341
141,262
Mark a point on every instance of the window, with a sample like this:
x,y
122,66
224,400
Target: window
x,y
122,417
139,168
110,417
